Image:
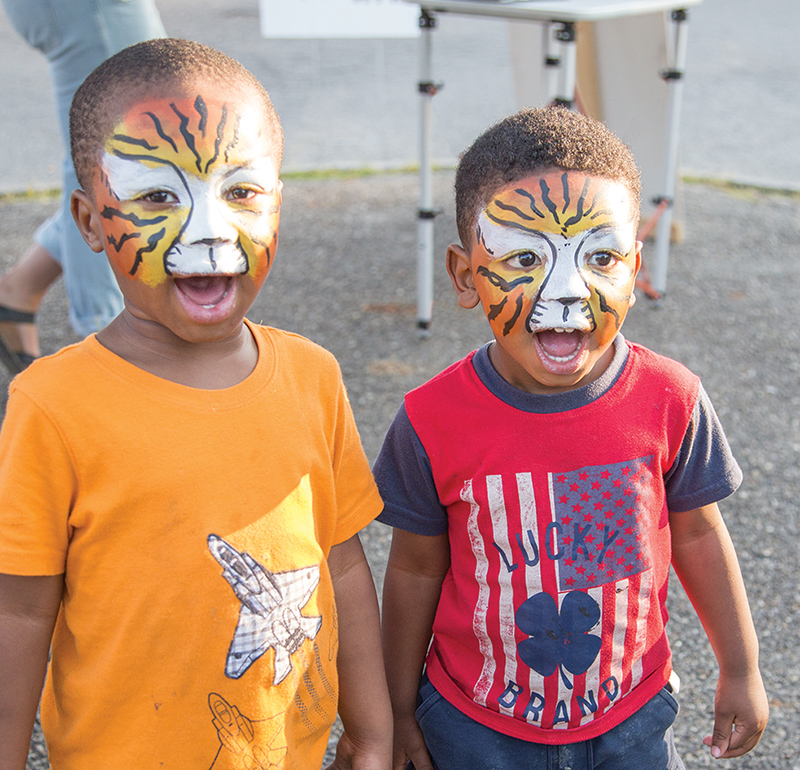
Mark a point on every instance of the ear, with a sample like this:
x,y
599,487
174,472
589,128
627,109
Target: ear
x,y
459,268
87,218
632,300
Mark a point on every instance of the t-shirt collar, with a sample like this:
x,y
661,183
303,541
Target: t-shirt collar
x,y
550,403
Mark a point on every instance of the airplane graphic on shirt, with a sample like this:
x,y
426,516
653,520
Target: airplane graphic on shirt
x,y
270,616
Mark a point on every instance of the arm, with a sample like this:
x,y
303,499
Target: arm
x,y
705,561
417,566
364,707
28,609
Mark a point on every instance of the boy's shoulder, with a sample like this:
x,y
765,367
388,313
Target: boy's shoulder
x,y
83,370
446,390
291,341
453,376
294,351
658,366
59,373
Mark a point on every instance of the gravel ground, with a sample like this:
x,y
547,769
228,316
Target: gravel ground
x,y
345,277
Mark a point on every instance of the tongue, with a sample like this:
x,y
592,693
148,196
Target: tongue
x,y
559,344
204,289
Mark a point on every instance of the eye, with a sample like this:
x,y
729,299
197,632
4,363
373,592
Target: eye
x,y
524,259
602,259
159,197
240,193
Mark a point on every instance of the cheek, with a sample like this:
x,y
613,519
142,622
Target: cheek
x,y
508,299
259,239
137,240
609,302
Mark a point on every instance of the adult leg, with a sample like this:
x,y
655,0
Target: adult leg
x,y
21,292
125,22
91,30
75,37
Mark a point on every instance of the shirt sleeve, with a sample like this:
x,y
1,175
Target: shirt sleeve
x,y
704,470
37,484
405,480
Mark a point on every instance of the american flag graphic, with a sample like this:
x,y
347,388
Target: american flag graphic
x,y
599,535
593,539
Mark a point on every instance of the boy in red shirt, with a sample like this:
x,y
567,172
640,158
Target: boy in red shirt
x,y
541,487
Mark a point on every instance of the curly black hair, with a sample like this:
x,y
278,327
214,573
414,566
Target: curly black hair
x,y
533,141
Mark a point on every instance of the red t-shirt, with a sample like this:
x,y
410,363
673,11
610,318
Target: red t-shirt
x,y
551,621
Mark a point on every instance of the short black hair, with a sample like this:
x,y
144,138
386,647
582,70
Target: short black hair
x,y
533,141
150,68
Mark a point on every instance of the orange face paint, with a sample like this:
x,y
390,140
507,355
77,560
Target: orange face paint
x,y
555,259
188,187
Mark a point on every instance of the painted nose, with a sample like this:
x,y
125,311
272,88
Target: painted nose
x,y
208,223
565,283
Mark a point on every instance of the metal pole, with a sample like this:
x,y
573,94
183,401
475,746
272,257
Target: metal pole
x,y
674,77
566,36
425,214
552,60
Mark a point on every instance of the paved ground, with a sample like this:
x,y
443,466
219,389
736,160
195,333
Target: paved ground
x,y
345,275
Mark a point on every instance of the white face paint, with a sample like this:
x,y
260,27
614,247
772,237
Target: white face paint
x,y
566,266
554,262
211,219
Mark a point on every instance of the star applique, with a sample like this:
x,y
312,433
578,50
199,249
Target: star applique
x,y
270,616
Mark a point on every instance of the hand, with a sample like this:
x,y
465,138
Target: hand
x,y
352,756
740,715
409,746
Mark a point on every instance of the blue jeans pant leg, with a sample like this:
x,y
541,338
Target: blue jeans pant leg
x,y
76,36
644,740
456,742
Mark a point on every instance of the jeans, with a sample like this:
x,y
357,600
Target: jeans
x,y
644,741
76,36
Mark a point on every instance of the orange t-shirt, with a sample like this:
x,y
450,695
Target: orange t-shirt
x,y
198,626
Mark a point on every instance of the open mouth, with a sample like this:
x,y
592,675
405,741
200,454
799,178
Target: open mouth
x,y
207,291
559,345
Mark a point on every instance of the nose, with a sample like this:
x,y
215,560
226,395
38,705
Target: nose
x,y
565,284
208,223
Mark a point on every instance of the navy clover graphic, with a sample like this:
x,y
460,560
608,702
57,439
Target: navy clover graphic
x,y
559,640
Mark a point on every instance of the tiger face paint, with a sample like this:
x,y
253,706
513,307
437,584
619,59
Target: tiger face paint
x,y
553,264
187,187
186,200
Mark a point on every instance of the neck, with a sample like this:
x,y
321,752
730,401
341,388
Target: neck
x,y
211,365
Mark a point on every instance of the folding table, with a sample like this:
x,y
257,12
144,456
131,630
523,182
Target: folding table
x,y
559,18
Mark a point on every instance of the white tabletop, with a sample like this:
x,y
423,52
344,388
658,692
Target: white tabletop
x,y
555,10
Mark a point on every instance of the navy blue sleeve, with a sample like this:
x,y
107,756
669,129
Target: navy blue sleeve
x,y
405,481
704,471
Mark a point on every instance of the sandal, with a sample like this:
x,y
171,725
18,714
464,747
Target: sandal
x,y
14,360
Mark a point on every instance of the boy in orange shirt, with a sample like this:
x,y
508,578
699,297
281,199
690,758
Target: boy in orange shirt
x,y
182,492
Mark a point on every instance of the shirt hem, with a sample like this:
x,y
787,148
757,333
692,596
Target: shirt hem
x,y
515,728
